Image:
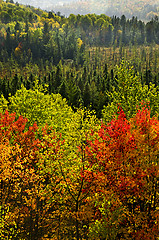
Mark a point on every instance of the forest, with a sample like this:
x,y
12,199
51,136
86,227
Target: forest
x,y
79,126
143,9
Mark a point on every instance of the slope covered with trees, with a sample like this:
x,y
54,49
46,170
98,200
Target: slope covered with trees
x,y
79,128
144,9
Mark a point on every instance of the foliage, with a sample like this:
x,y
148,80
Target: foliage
x,y
28,34
124,162
41,108
99,182
129,93
24,205
64,173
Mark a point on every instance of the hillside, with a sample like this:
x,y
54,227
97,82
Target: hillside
x,y
143,9
79,125
47,4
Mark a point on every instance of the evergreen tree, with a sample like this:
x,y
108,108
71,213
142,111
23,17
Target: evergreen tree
x,y
87,95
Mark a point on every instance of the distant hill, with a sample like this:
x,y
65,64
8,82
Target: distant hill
x,y
44,4
143,9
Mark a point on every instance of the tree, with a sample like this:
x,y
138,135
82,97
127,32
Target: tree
x,y
123,172
149,32
25,192
129,93
86,22
41,108
74,214
87,94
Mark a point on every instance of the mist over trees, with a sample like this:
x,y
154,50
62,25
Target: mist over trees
x,y
144,9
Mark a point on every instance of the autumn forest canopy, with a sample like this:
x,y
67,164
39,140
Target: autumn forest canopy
x,y
79,125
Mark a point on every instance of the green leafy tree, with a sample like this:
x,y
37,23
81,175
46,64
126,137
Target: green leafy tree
x,y
41,108
130,93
